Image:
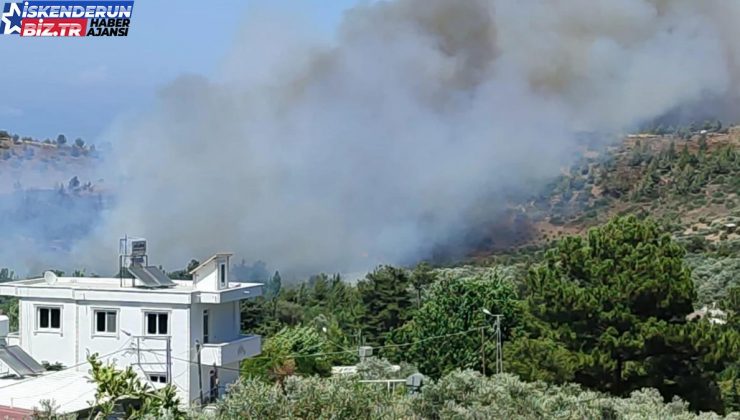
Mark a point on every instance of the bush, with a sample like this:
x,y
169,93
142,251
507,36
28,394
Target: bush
x,y
311,398
459,395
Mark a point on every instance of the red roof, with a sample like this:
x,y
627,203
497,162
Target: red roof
x,y
14,413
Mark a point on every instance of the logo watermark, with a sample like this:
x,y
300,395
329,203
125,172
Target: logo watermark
x,y
66,18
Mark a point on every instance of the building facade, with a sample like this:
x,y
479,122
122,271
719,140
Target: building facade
x,y
183,332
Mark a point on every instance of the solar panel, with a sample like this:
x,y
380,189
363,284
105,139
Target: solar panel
x,y
160,276
142,275
151,276
26,359
19,361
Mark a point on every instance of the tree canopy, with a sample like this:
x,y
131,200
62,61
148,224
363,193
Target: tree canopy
x,y
454,306
611,307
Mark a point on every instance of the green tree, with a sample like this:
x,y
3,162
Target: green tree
x,y
293,350
184,274
272,291
454,308
120,393
346,306
421,278
385,294
273,286
61,140
616,303
9,305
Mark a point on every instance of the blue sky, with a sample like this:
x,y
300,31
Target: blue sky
x,y
78,86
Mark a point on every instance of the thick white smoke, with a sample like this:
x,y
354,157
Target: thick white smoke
x,y
379,145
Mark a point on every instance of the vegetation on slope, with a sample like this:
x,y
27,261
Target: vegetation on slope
x,y
607,311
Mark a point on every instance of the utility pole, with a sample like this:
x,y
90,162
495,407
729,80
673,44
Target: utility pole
x,y
483,349
200,373
169,359
499,347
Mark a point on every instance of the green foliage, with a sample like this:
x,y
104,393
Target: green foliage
x,y
674,175
273,286
322,297
374,368
421,278
386,296
183,274
454,306
613,306
120,393
49,411
458,395
714,277
288,352
309,398
9,305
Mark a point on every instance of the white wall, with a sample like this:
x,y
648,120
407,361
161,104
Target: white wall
x,y
47,346
207,277
77,337
224,321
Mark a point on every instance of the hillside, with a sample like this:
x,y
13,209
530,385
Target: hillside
x,y
49,194
689,184
688,181
29,163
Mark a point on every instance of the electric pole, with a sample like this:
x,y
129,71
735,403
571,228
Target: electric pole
x,y
499,347
483,349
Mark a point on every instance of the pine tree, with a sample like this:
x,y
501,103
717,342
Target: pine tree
x,y
617,301
385,294
421,278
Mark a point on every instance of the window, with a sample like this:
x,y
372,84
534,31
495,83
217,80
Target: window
x,y
158,378
222,275
157,323
49,318
205,326
105,322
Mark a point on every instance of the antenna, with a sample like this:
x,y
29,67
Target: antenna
x,y
50,277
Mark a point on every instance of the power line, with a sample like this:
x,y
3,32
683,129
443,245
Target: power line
x,y
121,349
294,356
429,339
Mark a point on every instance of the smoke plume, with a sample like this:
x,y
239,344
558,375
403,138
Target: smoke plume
x,y
382,143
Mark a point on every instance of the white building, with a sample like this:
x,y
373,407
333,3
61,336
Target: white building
x,y
151,323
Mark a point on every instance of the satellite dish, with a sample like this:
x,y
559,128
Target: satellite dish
x,y
50,277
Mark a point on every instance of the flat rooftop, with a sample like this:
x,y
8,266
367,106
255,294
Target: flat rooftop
x,y
104,283
101,288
